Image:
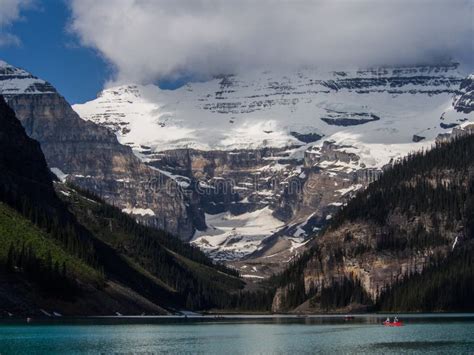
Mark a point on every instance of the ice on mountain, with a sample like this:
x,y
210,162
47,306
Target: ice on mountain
x,y
376,111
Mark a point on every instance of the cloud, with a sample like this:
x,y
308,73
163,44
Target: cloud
x,y
148,40
10,11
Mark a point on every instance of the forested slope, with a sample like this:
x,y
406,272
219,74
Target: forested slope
x,y
81,256
403,244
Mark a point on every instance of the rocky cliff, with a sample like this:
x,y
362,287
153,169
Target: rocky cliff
x,y
90,156
24,171
465,100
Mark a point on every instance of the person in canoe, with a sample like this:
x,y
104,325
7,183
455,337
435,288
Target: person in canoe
x,y
396,322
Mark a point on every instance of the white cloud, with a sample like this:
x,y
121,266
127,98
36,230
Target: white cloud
x,y
10,11
146,40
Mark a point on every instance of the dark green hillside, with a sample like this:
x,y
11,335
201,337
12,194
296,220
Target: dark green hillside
x,y
181,268
431,182
26,185
447,285
403,244
49,259
80,256
41,245
29,251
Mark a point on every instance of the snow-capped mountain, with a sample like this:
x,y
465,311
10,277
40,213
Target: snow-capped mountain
x,y
267,109
330,130
16,81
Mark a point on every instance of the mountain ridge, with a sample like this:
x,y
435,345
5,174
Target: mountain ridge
x,y
300,143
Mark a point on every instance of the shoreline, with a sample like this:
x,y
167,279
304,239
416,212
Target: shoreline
x,y
234,317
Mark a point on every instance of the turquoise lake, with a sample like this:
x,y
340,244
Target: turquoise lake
x,y
442,334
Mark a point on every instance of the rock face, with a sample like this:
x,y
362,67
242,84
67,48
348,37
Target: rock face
x,y
226,179
465,101
90,156
349,118
235,190
22,163
297,145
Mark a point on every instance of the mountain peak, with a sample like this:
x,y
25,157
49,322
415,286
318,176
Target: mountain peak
x,y
124,91
16,81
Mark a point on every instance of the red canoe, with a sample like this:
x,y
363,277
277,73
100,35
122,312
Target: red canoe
x,y
393,324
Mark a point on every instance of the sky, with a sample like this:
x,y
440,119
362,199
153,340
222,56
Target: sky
x,y
44,46
80,46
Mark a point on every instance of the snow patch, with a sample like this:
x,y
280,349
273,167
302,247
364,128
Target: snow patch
x,y
455,242
59,174
139,211
233,236
349,189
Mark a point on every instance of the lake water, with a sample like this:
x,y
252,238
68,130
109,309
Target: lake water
x,y
236,335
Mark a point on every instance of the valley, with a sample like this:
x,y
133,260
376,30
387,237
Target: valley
x,y
247,168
